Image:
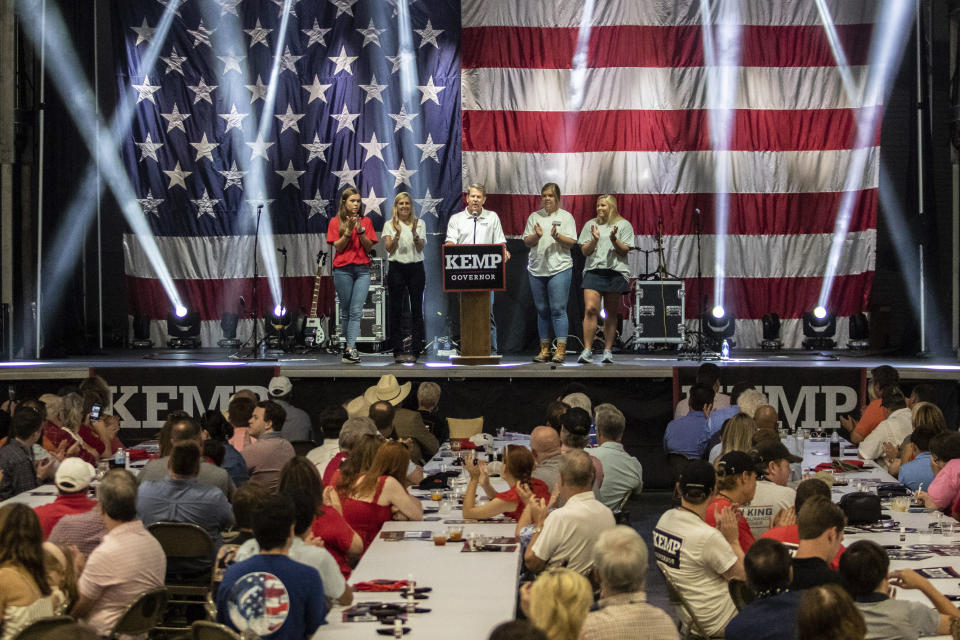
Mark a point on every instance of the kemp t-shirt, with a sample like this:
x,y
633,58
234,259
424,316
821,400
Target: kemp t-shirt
x,y
273,596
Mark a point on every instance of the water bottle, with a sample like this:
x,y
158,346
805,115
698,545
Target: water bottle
x,y
120,458
593,435
725,350
834,444
397,627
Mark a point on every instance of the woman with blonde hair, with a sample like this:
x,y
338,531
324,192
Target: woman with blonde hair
x,y
738,434
605,241
352,237
25,590
405,235
67,428
557,603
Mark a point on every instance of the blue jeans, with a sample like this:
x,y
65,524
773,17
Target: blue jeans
x,y
352,282
550,295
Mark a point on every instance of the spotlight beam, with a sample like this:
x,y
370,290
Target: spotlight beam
x,y
78,97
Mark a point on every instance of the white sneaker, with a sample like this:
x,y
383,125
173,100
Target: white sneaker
x,y
607,357
350,356
586,357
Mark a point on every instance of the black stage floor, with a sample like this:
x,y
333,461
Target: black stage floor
x,y
320,365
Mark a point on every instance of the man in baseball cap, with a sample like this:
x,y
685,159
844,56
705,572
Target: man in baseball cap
x,y
736,484
772,504
73,477
297,426
699,558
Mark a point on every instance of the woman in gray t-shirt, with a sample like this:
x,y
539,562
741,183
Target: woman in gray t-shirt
x,y
605,241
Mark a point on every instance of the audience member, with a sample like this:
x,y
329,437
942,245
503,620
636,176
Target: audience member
x,y
766,418
350,434
894,428
271,451
128,563
828,613
308,553
181,498
343,543
773,499
919,472
66,427
736,435
622,473
922,393
620,564
183,429
368,495
428,399
773,615
73,478
708,375
247,501
554,417
945,464
865,568
557,603
575,436
789,534
215,428
239,412
85,531
697,558
328,425
547,453
880,378
516,630
820,526
61,566
686,435
272,575
19,471
406,424
518,465
736,485
297,426
25,591
744,398
565,537
579,400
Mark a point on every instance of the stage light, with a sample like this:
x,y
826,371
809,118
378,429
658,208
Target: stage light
x,y
281,331
819,330
279,311
859,332
228,327
183,329
717,328
141,332
771,333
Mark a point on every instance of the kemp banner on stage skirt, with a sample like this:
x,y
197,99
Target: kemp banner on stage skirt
x,y
474,267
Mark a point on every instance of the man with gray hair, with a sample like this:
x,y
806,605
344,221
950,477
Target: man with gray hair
x,y
580,400
622,473
428,397
620,564
565,537
350,433
128,563
475,225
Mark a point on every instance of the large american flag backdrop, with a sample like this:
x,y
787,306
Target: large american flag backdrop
x,y
498,95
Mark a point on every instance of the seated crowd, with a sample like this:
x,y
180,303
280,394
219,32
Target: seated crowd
x,y
290,511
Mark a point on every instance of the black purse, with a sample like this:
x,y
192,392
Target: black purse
x,y
861,508
892,490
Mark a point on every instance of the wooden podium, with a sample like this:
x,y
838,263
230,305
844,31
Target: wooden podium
x,y
473,271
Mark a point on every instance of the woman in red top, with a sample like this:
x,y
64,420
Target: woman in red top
x,y
338,537
518,464
80,439
352,237
370,497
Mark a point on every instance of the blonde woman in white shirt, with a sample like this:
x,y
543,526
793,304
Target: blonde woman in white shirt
x,y
405,236
550,232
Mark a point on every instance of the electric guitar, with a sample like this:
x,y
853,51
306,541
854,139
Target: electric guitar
x,y
314,330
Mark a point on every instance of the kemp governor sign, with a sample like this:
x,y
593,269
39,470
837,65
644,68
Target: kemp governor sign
x,y
474,267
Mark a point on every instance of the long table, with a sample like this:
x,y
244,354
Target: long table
x,y
817,451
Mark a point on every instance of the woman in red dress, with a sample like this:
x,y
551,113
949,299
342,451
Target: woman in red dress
x,y
518,464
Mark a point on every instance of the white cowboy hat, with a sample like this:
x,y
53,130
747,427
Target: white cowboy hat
x,y
388,389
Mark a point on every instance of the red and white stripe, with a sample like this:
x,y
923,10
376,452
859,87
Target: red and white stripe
x,y
642,132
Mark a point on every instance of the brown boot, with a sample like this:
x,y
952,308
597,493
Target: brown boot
x,y
544,355
560,353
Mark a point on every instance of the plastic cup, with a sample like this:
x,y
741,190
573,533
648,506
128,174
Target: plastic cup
x,y
455,533
900,503
439,539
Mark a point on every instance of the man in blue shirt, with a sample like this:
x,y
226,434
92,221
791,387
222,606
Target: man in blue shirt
x,y
270,594
687,436
918,471
773,615
181,497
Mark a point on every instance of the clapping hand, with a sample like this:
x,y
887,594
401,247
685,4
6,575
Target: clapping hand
x,y
555,230
890,451
472,467
524,492
784,518
727,524
538,230
538,510
45,468
484,472
595,233
331,499
613,235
